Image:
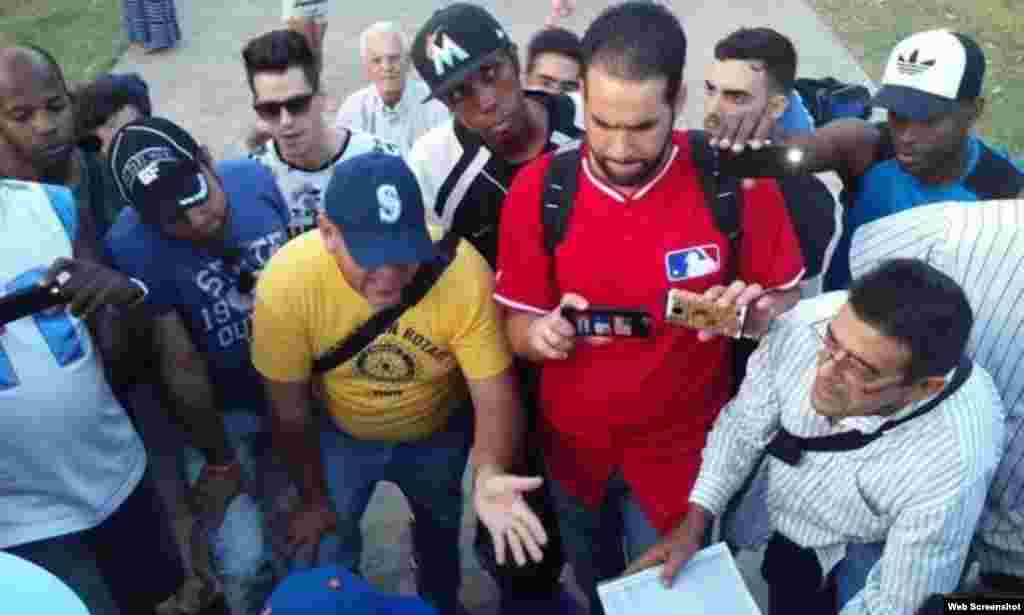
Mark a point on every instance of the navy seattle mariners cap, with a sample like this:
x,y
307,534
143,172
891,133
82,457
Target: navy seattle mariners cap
x,y
155,165
928,73
453,43
376,202
332,590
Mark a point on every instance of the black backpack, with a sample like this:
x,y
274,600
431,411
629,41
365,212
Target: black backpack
x,y
829,99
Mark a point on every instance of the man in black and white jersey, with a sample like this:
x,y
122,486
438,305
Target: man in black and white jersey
x,y
465,166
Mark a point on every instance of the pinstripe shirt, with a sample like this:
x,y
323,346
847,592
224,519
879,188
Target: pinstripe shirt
x,y
981,246
919,488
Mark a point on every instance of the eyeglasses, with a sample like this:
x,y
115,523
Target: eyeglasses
x,y
270,111
846,361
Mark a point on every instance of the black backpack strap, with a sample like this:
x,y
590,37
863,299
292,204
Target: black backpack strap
x,y
559,194
994,177
422,282
722,194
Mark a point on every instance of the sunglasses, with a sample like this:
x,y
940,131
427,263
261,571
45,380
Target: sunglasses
x,y
270,111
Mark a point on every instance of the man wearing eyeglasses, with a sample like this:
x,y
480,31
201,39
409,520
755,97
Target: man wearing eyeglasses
x,y
303,148
870,441
197,235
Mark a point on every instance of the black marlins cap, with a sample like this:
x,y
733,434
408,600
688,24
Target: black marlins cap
x,y
155,165
453,43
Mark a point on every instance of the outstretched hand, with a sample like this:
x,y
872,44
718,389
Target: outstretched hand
x,y
501,507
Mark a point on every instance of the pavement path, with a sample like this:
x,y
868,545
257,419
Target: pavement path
x,y
201,85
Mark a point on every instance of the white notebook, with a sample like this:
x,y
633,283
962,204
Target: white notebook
x,y
709,583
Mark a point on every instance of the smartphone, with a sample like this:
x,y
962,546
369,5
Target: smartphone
x,y
769,161
609,322
699,313
26,301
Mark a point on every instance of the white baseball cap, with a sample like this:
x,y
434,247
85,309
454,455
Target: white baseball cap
x,y
929,73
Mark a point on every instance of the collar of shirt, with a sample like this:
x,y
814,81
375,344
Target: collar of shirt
x,y
396,112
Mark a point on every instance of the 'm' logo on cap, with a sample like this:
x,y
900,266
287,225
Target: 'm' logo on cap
x,y
910,65
390,203
444,52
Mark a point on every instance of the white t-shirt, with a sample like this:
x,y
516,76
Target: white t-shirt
x,y
303,190
402,124
70,455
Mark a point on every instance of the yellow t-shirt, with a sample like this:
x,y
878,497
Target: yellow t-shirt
x,y
404,385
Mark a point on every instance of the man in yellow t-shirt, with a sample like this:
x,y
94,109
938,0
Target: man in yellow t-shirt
x,y
398,410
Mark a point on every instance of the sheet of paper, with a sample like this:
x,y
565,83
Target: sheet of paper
x,y
710,583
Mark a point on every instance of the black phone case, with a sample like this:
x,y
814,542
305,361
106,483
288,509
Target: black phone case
x,y
609,322
769,161
28,301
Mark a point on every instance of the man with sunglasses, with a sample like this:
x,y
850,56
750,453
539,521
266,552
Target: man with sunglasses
x,y
303,148
870,442
197,235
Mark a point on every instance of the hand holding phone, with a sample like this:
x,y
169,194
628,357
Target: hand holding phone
x,y
768,161
27,301
608,322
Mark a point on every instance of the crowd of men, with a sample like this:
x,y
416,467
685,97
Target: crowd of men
x,y
386,296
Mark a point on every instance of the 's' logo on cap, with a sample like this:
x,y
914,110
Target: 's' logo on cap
x,y
911,66
390,204
444,52
149,174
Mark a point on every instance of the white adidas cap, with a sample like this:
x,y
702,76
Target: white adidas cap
x,y
929,72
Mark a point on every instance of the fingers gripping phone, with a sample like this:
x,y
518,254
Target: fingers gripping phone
x,y
26,301
609,322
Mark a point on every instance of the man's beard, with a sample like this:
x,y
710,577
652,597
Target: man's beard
x,y
645,173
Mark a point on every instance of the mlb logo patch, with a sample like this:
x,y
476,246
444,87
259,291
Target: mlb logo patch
x,y
692,263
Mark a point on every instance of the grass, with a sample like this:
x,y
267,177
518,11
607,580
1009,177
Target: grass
x,y
84,35
870,29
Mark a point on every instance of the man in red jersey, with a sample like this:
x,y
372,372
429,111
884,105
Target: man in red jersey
x,y
624,420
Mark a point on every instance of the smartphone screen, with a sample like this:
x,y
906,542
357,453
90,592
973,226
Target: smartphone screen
x,y
609,322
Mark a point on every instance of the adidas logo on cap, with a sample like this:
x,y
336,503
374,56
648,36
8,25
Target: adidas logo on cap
x,y
911,65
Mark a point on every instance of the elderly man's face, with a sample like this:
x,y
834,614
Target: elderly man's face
x,y
36,120
386,65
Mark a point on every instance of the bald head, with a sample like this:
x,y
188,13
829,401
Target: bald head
x,y
36,122
19,59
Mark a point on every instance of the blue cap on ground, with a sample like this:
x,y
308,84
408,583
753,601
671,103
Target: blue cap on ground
x,y
376,202
331,590
28,588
